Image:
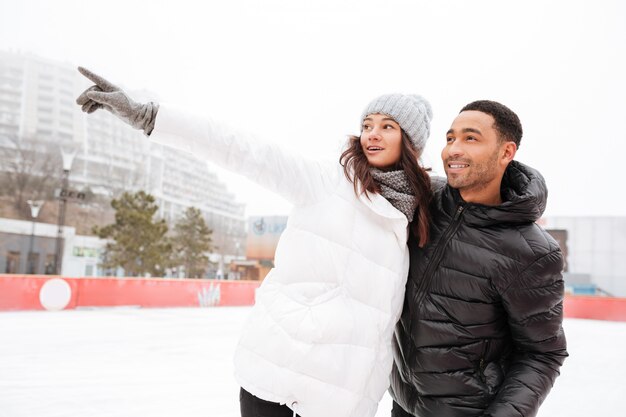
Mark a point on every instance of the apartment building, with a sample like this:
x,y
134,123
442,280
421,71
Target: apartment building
x,y
37,103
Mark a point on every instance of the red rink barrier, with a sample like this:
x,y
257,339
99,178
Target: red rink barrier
x,y
32,292
596,308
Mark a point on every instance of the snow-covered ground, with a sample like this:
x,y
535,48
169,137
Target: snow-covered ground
x,y
177,362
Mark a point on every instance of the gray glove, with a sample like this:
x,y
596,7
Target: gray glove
x,y
108,96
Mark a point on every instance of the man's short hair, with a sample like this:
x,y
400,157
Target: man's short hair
x,y
507,123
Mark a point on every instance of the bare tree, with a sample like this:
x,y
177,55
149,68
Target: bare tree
x,y
29,170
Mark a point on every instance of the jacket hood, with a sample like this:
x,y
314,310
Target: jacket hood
x,y
524,194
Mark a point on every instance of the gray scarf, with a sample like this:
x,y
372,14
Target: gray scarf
x,y
394,186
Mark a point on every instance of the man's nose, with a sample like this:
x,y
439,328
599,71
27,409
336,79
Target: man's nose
x,y
454,148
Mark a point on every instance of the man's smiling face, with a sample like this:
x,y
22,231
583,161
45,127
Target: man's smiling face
x,y
475,157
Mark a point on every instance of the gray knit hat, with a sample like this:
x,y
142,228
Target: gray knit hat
x,y
410,111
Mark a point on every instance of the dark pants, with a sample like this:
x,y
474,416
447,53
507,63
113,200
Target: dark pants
x,y
397,411
252,406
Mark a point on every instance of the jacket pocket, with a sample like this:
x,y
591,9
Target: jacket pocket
x,y
482,361
489,372
311,294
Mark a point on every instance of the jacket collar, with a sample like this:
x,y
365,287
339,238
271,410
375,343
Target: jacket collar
x,y
379,205
524,196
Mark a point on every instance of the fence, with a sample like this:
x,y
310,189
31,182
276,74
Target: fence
x,y
33,292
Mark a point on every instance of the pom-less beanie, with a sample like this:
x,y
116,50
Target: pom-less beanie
x,y
412,112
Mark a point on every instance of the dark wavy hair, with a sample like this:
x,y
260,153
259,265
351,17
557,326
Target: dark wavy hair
x,y
357,170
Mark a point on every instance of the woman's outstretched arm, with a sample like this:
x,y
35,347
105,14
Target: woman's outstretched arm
x,y
296,178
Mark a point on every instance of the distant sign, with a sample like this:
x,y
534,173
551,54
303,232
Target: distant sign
x,y
69,194
263,235
81,251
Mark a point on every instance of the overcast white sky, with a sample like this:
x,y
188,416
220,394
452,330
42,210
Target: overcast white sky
x,y
300,72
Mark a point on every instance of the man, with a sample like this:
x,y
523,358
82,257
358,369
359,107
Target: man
x,y
480,334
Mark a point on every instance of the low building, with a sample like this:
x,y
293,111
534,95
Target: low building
x,y
595,249
30,247
262,239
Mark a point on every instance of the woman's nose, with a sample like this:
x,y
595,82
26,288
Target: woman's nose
x,y
375,134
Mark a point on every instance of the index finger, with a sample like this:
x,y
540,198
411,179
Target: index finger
x,y
98,80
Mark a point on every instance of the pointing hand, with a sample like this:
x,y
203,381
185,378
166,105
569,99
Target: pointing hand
x,y
112,98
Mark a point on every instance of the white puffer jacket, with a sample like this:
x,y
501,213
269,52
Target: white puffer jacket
x,y
319,336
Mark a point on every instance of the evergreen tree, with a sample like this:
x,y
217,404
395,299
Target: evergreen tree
x,y
192,241
138,241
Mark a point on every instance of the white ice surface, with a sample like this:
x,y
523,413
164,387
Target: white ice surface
x,y
177,363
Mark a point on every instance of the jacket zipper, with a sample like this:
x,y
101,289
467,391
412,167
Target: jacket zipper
x,y
452,228
481,370
481,363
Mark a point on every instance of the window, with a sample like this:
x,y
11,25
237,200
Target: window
x,y
33,263
13,263
49,267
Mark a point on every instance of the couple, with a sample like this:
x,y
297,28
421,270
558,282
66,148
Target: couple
x,y
447,294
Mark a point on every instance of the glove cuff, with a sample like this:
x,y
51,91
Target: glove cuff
x,y
148,118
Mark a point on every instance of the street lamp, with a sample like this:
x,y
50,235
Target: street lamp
x,y
68,155
35,206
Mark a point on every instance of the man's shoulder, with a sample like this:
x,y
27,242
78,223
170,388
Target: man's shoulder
x,y
537,238
535,252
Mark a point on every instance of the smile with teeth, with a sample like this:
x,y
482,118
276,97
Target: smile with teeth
x,y
374,148
457,165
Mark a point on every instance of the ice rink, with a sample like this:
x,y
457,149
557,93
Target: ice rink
x,y
125,362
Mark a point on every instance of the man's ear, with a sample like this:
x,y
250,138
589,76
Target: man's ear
x,y
508,152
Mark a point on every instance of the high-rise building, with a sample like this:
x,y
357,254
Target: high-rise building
x,y
37,103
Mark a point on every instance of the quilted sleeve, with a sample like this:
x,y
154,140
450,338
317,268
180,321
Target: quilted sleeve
x,y
534,303
294,177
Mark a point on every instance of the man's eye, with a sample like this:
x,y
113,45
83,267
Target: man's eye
x,y
471,138
449,139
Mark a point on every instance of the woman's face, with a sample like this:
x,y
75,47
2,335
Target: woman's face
x,y
381,140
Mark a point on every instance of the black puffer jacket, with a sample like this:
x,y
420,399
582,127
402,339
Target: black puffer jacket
x,y
485,338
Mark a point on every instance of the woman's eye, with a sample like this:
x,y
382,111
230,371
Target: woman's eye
x,y
366,127
388,127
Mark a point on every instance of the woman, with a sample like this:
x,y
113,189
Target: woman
x,y
318,342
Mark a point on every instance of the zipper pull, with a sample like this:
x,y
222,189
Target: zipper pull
x,y
481,373
459,210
